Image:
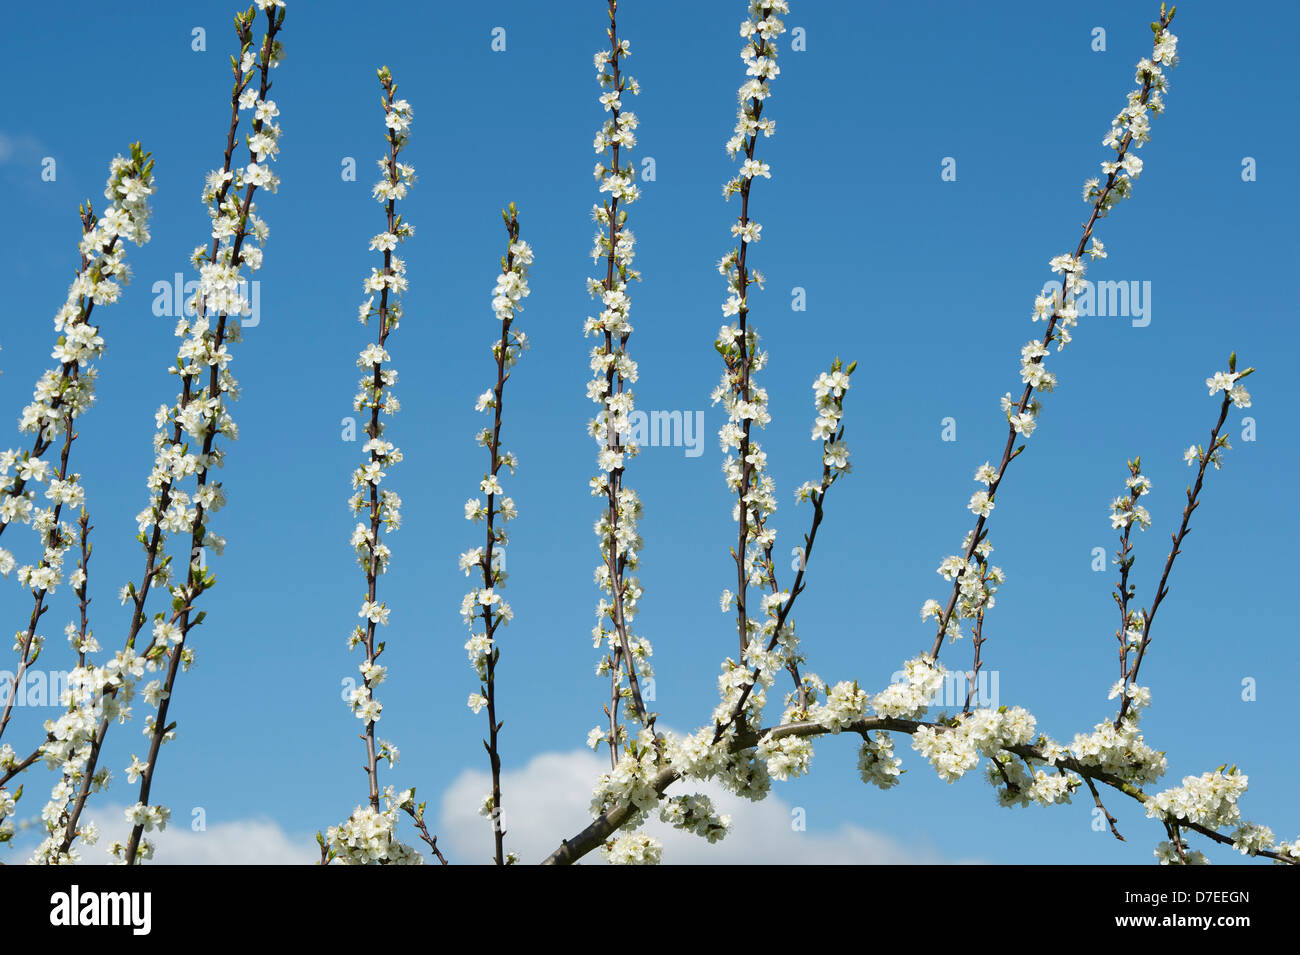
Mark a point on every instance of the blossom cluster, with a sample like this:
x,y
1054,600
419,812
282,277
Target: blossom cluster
x,y
1044,775
93,695
1132,125
1125,514
695,814
1208,800
1120,751
1252,839
1229,384
909,698
976,580
369,835
635,781
1179,853
846,703
632,779
633,848
1126,511
877,764
828,393
954,746
146,818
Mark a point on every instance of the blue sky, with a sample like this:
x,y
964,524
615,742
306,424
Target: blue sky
x,y
929,284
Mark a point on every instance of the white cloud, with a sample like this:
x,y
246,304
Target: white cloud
x,y
548,799
241,842
14,146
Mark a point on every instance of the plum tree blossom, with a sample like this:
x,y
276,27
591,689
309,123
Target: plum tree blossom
x,y
739,745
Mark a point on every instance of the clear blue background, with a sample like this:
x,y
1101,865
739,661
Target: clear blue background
x,y
928,284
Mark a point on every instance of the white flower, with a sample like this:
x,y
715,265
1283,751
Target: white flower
x,y
633,849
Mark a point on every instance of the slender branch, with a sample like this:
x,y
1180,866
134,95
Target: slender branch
x,y
1096,798
491,576
369,835
431,840
1126,511
977,641
1206,457
1117,184
617,530
762,48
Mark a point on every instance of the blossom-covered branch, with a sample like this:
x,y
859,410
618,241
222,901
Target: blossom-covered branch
x,y
627,657
647,755
969,573
200,413
100,695
61,396
483,606
66,392
1024,767
1138,632
771,646
369,835
782,647
745,402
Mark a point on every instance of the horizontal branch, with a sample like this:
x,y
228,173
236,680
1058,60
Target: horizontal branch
x,y
610,821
